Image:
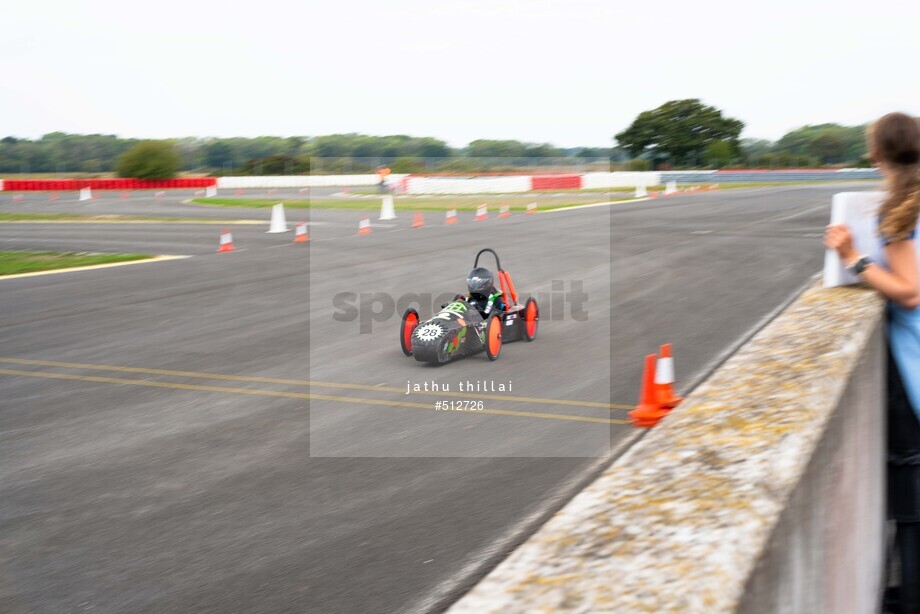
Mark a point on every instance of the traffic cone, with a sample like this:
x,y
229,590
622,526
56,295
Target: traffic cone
x,y
278,222
387,208
531,208
648,412
641,191
504,211
451,216
300,233
482,213
419,220
664,378
226,241
364,226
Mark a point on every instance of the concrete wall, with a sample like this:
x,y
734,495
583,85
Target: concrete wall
x,y
825,553
762,492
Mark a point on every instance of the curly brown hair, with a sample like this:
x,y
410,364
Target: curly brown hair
x,y
894,141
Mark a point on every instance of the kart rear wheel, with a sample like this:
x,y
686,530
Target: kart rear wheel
x,y
531,318
494,336
409,322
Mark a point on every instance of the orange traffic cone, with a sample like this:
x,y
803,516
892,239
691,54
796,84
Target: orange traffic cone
x,y
451,216
531,208
504,211
482,213
664,379
419,220
364,226
226,241
648,412
300,233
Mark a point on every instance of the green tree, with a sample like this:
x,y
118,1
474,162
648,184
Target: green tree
x,y
486,148
830,146
826,143
408,164
718,153
218,154
679,131
149,160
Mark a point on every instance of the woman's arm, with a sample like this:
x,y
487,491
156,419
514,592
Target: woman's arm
x,y
901,284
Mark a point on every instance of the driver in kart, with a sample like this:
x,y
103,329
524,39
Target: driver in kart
x,y
483,294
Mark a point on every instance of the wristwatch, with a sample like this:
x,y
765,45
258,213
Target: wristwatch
x,y
859,265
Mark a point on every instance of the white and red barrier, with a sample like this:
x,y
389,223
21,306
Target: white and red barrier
x,y
304,181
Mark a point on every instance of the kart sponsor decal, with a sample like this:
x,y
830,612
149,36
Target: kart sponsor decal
x,y
454,309
455,344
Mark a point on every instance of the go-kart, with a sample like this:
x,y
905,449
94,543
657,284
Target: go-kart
x,y
460,330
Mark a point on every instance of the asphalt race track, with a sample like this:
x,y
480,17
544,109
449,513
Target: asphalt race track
x,y
203,434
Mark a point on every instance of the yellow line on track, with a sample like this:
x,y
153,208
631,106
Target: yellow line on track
x,y
295,395
296,382
111,221
91,267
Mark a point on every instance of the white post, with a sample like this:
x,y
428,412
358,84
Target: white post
x,y
387,208
278,223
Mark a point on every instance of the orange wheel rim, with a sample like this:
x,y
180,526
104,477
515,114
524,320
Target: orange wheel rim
x,y
530,319
495,337
411,323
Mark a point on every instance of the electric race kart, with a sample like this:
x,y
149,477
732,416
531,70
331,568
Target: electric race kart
x,y
460,329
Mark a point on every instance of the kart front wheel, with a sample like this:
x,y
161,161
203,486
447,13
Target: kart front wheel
x,y
409,322
531,318
493,336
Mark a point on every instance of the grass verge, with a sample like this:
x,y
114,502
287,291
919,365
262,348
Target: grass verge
x,y
80,217
14,262
465,203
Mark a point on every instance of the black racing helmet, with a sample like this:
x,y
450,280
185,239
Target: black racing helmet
x,y
480,282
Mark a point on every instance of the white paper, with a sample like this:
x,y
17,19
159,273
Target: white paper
x,y
859,211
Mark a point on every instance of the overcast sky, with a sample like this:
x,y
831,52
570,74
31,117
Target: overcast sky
x,y
570,72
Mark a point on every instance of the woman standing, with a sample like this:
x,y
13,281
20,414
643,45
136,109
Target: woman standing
x,y
894,146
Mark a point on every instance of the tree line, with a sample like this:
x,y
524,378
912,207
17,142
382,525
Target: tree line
x,y
690,134
679,134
